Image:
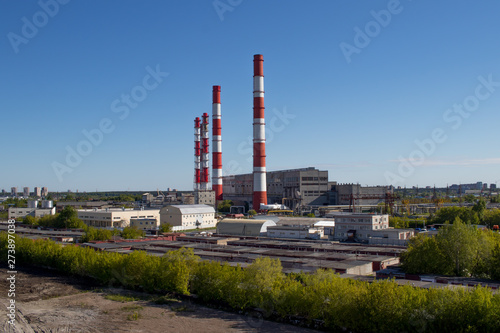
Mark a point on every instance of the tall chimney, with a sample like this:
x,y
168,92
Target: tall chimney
x,y
216,143
197,154
259,135
204,153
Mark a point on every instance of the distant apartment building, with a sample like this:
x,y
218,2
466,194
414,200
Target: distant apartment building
x,y
45,192
13,192
37,192
26,192
183,217
119,217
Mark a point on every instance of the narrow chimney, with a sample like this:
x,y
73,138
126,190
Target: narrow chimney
x,y
259,135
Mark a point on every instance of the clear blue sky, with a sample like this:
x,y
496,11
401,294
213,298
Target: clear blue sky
x,y
354,118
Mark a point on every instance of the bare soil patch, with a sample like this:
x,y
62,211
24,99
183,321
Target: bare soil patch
x,y
49,302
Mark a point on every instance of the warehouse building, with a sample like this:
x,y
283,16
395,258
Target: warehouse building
x,y
184,217
119,217
249,227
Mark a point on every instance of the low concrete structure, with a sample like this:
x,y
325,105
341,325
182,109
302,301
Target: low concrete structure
x,y
246,227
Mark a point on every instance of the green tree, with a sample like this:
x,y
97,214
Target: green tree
x,y
30,220
458,249
479,208
132,233
252,212
166,228
225,206
491,217
68,218
96,234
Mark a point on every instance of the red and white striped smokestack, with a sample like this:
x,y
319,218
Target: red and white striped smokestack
x,y
216,143
197,154
204,153
259,135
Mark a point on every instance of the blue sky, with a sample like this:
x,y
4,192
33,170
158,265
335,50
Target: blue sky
x,y
369,90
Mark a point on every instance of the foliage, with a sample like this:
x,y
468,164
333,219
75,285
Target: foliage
x,y
15,202
68,218
311,215
458,249
166,228
96,234
132,233
491,217
225,206
449,214
30,220
341,304
252,212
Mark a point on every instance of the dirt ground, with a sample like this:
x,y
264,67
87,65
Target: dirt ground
x,y
48,302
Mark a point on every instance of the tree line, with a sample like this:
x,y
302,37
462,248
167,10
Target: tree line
x,y
338,304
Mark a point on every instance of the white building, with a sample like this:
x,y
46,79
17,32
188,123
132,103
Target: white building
x,y
120,218
16,212
246,227
295,231
184,217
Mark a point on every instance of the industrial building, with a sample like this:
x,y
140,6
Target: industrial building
x,y
369,228
247,227
119,217
293,188
46,208
184,217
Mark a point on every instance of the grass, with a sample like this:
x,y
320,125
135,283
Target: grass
x,y
182,309
121,298
134,316
160,300
131,308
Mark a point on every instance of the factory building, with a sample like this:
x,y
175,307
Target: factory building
x,y
293,188
369,228
358,195
47,208
119,217
184,217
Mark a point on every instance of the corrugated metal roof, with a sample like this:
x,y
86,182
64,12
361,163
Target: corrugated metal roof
x,y
194,209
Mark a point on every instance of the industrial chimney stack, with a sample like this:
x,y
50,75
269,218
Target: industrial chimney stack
x,y
259,135
197,154
217,144
204,153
